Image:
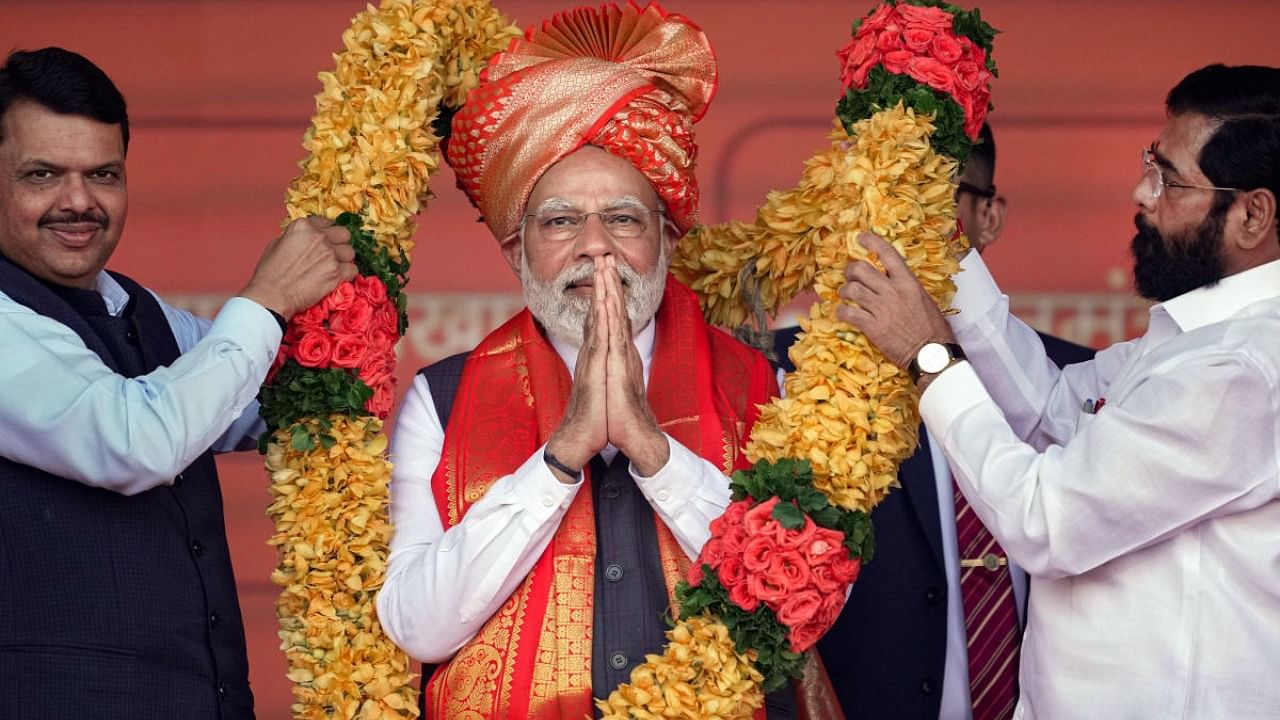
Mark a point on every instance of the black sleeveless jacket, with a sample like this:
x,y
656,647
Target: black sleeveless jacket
x,y
112,606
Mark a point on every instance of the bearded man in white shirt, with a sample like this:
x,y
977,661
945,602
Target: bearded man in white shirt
x,y
1141,491
552,485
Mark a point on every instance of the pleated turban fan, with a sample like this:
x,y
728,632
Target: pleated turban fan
x,y
630,80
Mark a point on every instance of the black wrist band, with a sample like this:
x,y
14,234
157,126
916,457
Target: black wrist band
x,y
556,463
284,325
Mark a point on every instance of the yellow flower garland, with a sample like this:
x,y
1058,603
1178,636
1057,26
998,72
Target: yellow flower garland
x,y
847,410
371,151
699,675
331,527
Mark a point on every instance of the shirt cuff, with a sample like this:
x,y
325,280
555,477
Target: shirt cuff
x,y
952,393
251,326
540,491
670,487
976,292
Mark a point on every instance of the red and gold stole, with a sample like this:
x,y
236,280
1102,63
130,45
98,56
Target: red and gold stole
x,y
532,659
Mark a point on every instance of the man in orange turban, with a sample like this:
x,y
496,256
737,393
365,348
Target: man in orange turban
x,y
552,485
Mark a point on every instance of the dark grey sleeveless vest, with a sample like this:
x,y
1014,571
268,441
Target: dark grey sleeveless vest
x,y
116,607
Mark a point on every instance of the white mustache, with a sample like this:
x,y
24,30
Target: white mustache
x,y
578,273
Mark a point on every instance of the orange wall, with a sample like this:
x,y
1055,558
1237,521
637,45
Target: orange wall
x,y
220,93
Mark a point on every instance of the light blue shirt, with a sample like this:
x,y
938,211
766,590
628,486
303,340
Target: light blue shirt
x,y
66,412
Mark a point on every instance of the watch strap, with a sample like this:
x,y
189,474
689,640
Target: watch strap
x,y
954,352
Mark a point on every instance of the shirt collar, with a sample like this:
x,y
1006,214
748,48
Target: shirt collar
x,y
1210,304
113,293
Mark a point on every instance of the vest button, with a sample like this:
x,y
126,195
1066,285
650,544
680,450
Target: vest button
x,y
196,548
178,480
617,661
928,686
611,490
222,691
933,595
613,573
214,618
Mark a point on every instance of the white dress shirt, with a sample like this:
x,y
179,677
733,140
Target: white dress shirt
x,y
955,703
442,586
1151,527
65,412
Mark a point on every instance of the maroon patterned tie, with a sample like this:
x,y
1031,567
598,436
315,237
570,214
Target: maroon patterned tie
x,y
990,616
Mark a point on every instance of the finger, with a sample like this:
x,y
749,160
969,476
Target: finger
x,y
344,253
599,305
616,339
318,222
856,293
618,300
855,316
337,235
347,271
861,269
893,263
863,276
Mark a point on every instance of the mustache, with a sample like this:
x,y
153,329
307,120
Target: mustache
x,y
67,218
1143,225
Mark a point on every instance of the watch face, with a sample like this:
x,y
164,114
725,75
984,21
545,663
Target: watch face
x,y
933,358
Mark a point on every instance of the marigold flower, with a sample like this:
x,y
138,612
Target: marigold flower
x,y
371,150
699,675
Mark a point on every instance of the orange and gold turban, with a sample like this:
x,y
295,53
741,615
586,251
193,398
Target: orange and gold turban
x,y
630,80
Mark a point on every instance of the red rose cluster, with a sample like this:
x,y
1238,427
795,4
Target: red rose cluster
x,y
355,327
801,575
918,41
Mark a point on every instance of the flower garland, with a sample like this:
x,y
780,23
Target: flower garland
x,y
773,577
371,150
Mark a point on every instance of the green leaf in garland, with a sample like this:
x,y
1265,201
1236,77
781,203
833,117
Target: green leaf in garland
x,y
760,630
885,90
788,516
301,438
299,392
859,535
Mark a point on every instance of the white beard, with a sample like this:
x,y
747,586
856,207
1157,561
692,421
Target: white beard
x,y
565,316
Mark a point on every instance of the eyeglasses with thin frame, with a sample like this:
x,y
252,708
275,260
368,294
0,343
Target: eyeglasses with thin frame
x,y
1153,174
565,225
